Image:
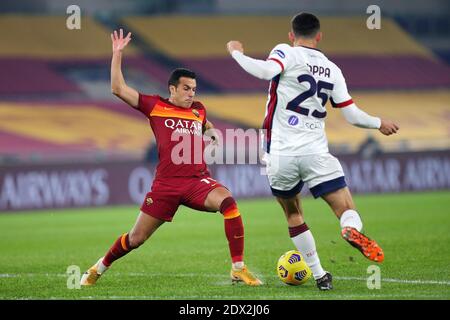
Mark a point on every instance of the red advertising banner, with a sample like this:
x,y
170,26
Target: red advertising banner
x,y
46,186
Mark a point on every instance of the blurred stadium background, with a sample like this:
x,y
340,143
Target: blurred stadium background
x,y
66,141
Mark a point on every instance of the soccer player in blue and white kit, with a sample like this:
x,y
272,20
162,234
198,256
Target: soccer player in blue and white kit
x,y
302,81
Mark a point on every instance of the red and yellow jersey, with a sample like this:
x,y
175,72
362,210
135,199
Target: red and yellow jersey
x,y
179,136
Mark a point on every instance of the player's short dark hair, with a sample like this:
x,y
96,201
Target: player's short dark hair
x,y
305,25
174,79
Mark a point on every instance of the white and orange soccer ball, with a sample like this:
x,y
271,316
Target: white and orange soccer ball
x,y
292,268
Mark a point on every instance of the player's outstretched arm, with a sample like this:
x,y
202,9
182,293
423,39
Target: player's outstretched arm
x,y
353,114
118,86
359,118
261,69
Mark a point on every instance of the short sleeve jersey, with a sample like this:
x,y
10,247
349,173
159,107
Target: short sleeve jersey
x,y
295,111
179,136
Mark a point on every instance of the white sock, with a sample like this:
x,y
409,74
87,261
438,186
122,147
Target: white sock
x,y
101,267
351,218
304,242
238,265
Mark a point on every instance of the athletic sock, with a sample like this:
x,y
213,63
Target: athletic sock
x,y
234,229
351,218
304,242
101,267
120,248
238,265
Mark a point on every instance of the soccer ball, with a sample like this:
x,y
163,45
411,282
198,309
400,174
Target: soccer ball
x,y
292,268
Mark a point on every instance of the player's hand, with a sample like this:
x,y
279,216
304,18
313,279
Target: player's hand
x,y
235,45
388,127
118,41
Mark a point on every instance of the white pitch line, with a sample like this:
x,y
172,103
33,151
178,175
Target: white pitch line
x,y
202,275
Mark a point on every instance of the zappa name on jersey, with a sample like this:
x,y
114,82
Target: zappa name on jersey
x,y
184,126
319,70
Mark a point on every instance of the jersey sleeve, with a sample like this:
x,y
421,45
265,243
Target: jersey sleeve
x,y
340,97
146,103
282,54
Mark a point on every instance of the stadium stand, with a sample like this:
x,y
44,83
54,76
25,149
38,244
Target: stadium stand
x,y
61,130
51,74
43,37
21,76
406,63
209,34
406,106
35,49
70,129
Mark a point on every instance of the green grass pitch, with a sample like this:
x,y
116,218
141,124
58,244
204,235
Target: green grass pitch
x,y
188,258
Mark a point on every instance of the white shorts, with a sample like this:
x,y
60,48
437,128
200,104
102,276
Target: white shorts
x,y
322,173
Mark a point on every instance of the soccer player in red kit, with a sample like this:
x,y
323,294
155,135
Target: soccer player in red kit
x,y
187,183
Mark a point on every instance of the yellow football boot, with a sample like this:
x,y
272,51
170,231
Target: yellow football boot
x,y
91,276
244,275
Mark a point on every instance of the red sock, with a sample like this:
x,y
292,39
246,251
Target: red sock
x,y
120,248
234,229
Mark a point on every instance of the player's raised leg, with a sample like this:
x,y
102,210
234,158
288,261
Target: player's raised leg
x,y
144,227
220,199
341,203
303,239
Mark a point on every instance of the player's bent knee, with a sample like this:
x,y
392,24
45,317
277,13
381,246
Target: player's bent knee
x,y
229,208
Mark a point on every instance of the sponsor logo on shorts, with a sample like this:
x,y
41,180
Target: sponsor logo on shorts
x,y
149,201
